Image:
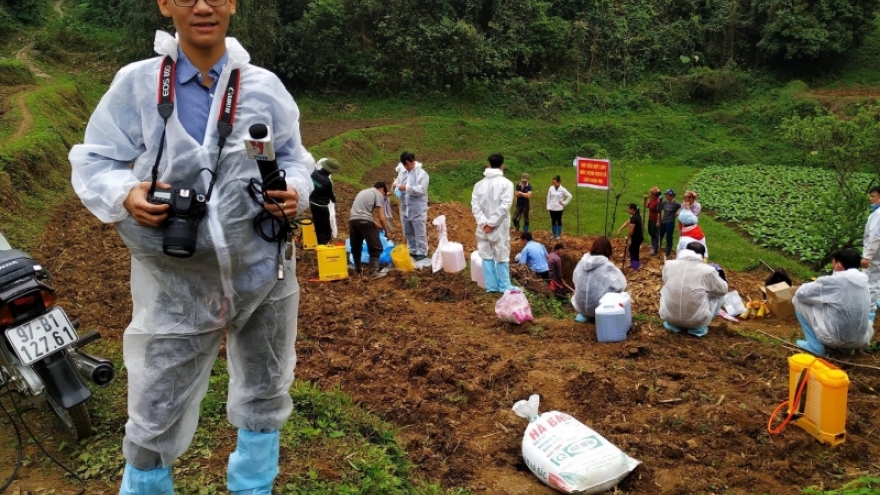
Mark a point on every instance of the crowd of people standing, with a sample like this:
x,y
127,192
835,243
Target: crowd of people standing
x,y
693,289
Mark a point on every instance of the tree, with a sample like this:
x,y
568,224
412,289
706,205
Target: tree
x,y
844,146
254,26
812,29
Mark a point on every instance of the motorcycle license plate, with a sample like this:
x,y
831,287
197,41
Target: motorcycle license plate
x,y
42,336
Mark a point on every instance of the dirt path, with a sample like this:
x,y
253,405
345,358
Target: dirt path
x,y
23,55
27,118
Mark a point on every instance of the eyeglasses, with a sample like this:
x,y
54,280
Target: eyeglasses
x,y
192,3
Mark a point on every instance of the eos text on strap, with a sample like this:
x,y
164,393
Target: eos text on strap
x,y
187,207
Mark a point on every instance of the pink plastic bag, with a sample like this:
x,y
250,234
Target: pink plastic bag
x,y
513,307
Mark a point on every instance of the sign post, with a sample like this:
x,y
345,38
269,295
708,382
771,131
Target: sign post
x,y
595,174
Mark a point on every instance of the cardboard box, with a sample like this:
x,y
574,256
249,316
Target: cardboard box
x,y
779,298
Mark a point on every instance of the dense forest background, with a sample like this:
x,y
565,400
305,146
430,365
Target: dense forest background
x,y
389,45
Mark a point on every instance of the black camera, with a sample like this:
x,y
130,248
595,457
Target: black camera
x,y
186,210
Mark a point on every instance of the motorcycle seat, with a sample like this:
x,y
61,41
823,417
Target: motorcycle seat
x,y
14,264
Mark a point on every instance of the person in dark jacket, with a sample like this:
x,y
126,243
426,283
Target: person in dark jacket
x,y
634,233
321,197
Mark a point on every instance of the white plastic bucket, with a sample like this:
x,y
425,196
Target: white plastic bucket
x,y
477,269
453,257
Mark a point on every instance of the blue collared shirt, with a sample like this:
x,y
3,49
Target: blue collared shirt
x,y
535,256
193,100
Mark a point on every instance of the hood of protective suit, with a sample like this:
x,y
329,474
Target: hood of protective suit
x,y
687,218
693,231
593,277
837,307
691,291
233,269
490,204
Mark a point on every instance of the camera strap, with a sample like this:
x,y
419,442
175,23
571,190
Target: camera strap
x,y
225,120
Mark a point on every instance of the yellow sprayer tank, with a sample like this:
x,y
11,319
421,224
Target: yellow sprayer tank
x,y
309,238
332,262
822,411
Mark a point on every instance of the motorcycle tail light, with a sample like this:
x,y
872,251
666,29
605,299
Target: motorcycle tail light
x,y
49,297
22,304
6,316
24,301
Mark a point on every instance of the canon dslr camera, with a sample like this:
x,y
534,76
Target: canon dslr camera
x,y
186,209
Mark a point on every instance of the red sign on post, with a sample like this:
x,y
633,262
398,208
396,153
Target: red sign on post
x,y
593,173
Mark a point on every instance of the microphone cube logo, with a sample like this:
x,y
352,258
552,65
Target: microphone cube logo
x,y
260,149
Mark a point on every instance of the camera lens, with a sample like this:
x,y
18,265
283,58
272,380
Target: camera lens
x,y
180,237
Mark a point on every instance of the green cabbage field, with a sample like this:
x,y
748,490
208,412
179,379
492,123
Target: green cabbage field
x,y
788,208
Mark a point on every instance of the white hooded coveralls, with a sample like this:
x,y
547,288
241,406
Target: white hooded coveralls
x,y
490,204
414,208
836,307
871,251
181,306
593,277
691,291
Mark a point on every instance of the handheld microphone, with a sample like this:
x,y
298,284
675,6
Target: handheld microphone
x,y
260,148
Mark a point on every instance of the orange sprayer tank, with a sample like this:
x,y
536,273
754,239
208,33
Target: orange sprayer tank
x,y
823,404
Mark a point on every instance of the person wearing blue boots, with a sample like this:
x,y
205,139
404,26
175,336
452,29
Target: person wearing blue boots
x,y
558,198
229,280
835,310
692,292
490,204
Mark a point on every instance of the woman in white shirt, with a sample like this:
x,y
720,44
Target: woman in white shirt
x,y
557,198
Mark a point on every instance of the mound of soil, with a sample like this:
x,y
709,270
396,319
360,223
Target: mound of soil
x,y
426,352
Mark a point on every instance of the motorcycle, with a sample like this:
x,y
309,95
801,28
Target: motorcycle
x,y
41,355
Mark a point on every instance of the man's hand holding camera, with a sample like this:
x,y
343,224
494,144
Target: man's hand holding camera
x,y
286,203
146,213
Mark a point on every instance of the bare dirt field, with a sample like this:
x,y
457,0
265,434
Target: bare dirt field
x,y
426,352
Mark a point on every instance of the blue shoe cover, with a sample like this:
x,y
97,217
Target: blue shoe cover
x,y
489,276
672,328
502,273
699,332
152,482
803,344
254,464
581,318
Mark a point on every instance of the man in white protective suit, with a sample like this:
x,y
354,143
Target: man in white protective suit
x,y
871,247
225,276
412,186
490,203
834,310
692,292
